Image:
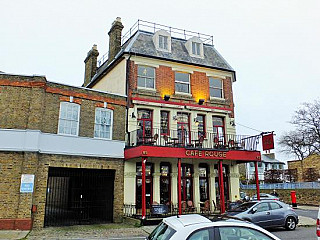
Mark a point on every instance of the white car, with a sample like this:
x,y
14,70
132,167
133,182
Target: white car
x,y
318,225
197,227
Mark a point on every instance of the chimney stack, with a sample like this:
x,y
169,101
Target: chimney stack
x,y
90,65
115,39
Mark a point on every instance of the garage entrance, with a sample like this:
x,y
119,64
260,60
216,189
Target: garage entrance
x,y
79,196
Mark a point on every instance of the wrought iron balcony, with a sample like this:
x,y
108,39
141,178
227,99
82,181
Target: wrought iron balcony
x,y
189,139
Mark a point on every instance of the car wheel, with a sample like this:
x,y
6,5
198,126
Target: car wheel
x,y
290,224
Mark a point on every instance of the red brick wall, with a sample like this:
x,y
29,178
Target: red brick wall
x,y
165,80
199,83
15,224
199,86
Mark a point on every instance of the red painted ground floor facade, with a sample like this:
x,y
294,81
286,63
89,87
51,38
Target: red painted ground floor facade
x,y
182,179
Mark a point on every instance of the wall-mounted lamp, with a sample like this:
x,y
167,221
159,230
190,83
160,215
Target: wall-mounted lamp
x,y
232,123
201,101
175,118
166,97
133,115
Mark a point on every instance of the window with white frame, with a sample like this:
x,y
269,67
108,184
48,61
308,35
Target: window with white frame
x,y
103,123
69,118
163,42
182,82
216,87
196,48
146,77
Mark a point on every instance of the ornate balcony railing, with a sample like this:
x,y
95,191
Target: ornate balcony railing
x,y
191,139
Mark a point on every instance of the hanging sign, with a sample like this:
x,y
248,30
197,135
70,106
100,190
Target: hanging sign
x,y
27,183
267,142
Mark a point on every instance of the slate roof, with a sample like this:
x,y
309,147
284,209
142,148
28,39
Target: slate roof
x,y
141,43
269,158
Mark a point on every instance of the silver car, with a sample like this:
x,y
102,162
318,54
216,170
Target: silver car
x,y
265,196
196,227
267,213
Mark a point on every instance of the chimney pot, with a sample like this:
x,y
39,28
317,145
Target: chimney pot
x,y
90,64
115,39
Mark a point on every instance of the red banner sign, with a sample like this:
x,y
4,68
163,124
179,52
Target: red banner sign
x,y
267,142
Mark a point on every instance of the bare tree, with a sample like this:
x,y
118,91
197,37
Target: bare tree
x,y
305,139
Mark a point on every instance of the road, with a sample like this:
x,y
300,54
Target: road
x,y
307,213
305,233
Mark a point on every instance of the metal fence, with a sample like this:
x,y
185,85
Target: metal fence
x,y
183,138
295,185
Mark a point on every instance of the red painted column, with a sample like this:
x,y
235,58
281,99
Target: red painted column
x,y
143,195
257,179
179,185
222,200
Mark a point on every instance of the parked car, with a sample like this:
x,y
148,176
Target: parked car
x,y
194,227
265,196
318,225
267,213
244,196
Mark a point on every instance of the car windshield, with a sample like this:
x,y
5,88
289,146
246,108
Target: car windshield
x,y
243,207
161,232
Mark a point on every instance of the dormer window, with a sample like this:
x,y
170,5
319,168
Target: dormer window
x,y
195,47
162,41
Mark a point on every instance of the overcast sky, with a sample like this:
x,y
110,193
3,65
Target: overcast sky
x,y
274,46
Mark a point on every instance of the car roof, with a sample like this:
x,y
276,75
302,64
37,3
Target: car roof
x,y
186,220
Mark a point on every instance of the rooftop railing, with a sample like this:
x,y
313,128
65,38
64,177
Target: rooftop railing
x,y
152,28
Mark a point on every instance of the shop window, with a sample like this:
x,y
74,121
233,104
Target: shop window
x,y
69,118
149,182
187,182
204,182
165,183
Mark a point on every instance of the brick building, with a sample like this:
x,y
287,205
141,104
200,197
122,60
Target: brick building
x,y
308,169
61,153
182,148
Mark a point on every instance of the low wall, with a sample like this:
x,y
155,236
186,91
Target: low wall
x,y
304,196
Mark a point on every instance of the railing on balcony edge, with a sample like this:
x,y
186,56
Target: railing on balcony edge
x,y
191,139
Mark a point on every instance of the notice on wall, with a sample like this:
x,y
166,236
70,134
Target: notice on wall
x,y
27,183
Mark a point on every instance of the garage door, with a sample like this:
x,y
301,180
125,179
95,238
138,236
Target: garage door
x,y
79,196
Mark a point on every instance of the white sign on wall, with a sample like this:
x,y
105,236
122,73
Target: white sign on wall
x,y
27,183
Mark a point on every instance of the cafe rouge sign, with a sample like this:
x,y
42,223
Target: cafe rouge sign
x,y
204,153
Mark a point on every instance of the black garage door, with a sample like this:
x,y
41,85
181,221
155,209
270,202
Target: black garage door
x,y
79,196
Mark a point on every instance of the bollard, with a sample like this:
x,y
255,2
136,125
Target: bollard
x,y
294,199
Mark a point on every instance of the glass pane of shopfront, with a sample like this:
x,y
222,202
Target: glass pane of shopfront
x,y
186,182
165,184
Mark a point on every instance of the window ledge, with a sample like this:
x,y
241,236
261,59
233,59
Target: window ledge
x,y
217,100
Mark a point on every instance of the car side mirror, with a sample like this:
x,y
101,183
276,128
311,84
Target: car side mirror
x,y
254,210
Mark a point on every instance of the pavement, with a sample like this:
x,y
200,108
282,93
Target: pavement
x,y
105,231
